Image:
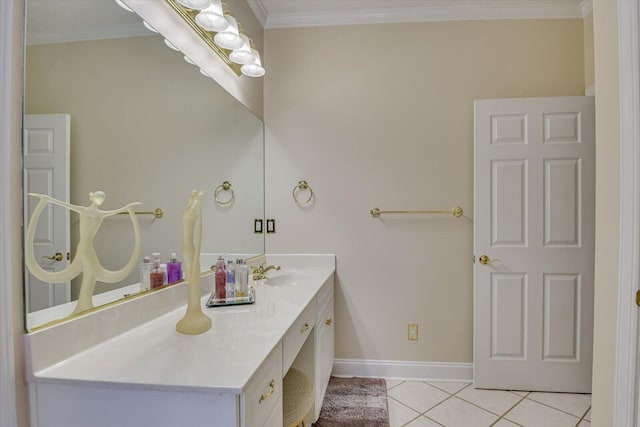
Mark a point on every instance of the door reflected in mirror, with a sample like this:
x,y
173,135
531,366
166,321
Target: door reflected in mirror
x,y
139,123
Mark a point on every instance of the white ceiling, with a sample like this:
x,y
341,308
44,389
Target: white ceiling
x,y
304,13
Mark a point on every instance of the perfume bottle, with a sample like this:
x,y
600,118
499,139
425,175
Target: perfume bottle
x,y
174,269
242,279
221,279
157,275
145,274
230,287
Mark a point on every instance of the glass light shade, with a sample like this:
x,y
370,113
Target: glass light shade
x,y
243,54
149,27
212,18
230,37
195,4
171,45
254,69
124,6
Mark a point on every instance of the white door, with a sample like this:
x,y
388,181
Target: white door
x,y
534,223
46,171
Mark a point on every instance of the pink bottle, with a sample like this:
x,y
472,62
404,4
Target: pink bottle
x,y
221,279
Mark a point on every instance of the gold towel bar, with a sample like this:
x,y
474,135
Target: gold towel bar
x,y
158,213
457,212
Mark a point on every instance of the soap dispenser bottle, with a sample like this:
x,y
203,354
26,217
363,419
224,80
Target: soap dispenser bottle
x,y
221,280
174,269
157,275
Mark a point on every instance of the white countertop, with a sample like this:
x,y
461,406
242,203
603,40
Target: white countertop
x,y
223,359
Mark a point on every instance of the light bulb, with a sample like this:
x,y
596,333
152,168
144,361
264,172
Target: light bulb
x,y
243,54
254,69
195,4
204,73
186,58
212,18
230,37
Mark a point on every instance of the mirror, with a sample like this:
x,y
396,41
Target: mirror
x,y
144,126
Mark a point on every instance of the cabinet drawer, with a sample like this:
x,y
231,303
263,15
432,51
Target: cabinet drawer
x,y
296,336
323,299
263,393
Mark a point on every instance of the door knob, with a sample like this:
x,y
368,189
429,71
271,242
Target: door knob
x,y
485,260
57,257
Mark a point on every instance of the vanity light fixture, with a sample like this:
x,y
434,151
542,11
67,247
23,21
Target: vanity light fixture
x,y
254,69
212,18
195,4
149,27
222,32
171,45
230,37
243,54
124,6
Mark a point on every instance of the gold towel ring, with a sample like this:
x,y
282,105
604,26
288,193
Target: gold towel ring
x,y
302,186
225,186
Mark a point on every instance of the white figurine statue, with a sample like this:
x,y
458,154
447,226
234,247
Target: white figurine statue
x,y
86,260
194,321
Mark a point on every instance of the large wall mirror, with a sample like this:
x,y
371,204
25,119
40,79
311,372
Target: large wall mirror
x,y
138,122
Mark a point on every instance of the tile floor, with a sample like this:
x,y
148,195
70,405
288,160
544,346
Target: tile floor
x,y
426,404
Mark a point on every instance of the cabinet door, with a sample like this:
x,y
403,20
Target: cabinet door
x,y
324,355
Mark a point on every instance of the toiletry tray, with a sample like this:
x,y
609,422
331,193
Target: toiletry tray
x,y
224,302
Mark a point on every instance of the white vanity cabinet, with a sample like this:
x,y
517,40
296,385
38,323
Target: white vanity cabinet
x,y
84,405
324,344
150,375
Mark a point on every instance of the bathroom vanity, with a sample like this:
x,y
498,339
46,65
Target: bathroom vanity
x,y
95,370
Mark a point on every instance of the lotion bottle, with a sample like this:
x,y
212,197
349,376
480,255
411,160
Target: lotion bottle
x,y
174,269
221,279
156,275
145,272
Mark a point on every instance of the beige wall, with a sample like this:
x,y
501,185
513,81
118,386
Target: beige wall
x,y
589,79
148,127
607,208
382,115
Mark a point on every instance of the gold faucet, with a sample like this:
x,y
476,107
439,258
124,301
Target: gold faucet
x,y
260,271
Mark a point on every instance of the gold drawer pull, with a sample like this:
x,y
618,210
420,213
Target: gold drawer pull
x,y
328,322
272,388
305,328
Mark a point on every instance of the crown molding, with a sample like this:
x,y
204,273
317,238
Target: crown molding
x,y
586,6
111,32
451,10
259,10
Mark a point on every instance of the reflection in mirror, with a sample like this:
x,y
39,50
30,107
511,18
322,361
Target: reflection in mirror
x,y
128,116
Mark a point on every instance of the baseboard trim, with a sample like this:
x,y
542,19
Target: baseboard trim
x,y
406,370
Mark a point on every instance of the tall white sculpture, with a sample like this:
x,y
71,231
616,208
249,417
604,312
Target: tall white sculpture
x,y
194,321
86,260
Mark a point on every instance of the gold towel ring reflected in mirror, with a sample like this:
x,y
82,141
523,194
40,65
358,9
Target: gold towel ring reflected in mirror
x,y
225,186
302,186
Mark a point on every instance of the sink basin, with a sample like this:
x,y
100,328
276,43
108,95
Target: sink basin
x,y
287,279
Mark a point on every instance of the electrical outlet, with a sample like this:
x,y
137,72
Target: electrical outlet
x,y
412,332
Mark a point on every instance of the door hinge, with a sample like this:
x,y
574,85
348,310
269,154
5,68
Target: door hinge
x,y
638,298
474,258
